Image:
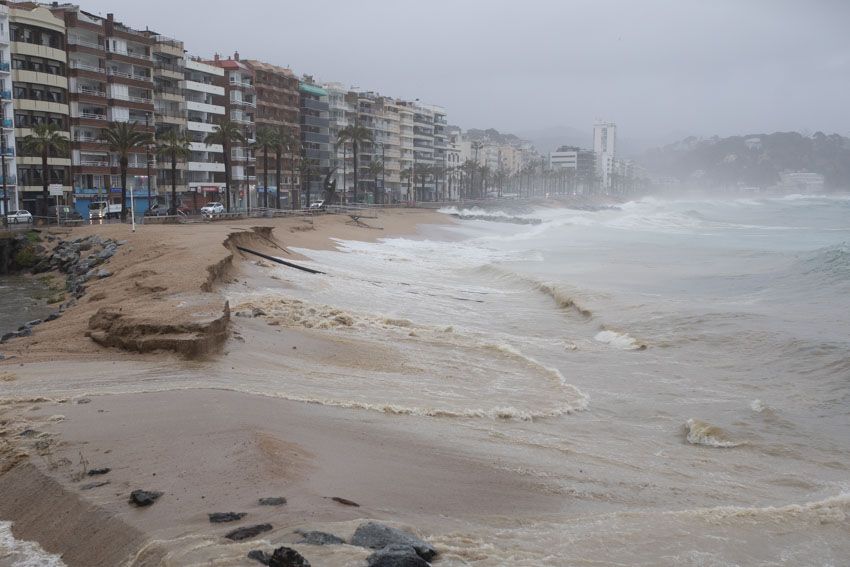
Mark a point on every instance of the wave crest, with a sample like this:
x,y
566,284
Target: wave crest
x,y
698,432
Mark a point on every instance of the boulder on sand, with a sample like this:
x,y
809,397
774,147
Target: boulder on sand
x,y
220,517
249,531
287,557
396,556
319,538
144,498
373,535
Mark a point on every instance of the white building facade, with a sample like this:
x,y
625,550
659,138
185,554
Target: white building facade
x,y
9,182
205,160
605,148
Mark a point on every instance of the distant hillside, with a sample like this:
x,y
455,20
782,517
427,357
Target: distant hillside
x,y
755,160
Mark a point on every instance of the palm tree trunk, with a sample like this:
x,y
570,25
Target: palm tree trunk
x,y
45,180
173,182
123,189
355,171
279,156
227,175
266,176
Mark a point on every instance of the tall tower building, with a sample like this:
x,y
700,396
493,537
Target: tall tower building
x,y
605,148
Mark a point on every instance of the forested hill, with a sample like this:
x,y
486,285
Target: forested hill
x,y
755,160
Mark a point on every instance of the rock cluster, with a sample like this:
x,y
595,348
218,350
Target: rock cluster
x,y
80,260
392,548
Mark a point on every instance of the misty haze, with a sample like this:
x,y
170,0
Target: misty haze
x,y
382,284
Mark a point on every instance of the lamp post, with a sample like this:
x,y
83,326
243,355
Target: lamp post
x,y
5,195
148,160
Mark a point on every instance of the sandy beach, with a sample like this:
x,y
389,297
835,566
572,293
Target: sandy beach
x,y
71,405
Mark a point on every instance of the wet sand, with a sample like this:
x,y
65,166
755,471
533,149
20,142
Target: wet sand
x,y
72,406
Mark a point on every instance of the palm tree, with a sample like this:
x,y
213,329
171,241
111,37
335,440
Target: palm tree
x,y
123,138
44,140
173,144
469,167
356,134
374,169
408,175
305,173
284,142
266,139
226,134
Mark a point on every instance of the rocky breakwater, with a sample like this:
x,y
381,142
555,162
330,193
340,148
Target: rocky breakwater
x,y
79,260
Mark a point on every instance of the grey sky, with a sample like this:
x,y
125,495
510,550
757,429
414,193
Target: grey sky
x,y
655,67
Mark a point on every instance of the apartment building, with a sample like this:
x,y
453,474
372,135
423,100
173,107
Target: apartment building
x,y
8,175
169,110
605,148
315,136
202,89
278,107
38,94
240,106
110,80
340,115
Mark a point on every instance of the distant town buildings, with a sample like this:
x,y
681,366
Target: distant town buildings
x,y
801,182
605,148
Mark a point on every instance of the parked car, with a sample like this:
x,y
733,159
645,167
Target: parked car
x,y
317,206
14,217
212,209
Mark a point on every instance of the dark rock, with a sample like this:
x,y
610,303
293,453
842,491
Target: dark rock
x,y
34,322
91,485
25,332
84,401
396,556
121,242
378,536
249,531
257,312
144,497
221,517
106,254
287,557
6,336
273,501
259,555
52,317
95,472
28,433
320,538
345,502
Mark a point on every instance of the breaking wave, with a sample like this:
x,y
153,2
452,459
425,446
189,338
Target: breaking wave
x,y
698,432
831,263
835,509
562,299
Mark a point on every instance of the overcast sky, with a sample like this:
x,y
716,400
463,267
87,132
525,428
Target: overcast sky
x,y
654,66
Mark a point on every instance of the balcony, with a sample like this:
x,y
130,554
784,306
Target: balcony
x,y
126,75
5,67
8,123
131,53
243,103
92,116
91,91
8,152
86,67
6,95
87,162
77,40
87,139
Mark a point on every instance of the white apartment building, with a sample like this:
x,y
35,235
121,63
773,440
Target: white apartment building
x,y
9,183
605,148
205,160
565,157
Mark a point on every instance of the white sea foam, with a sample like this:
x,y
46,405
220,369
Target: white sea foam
x,y
757,406
699,432
622,341
24,553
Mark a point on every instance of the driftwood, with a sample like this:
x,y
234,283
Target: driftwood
x,y
279,261
355,220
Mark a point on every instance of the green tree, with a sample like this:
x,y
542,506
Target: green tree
x,y
356,135
266,140
226,134
173,145
285,142
123,138
45,140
